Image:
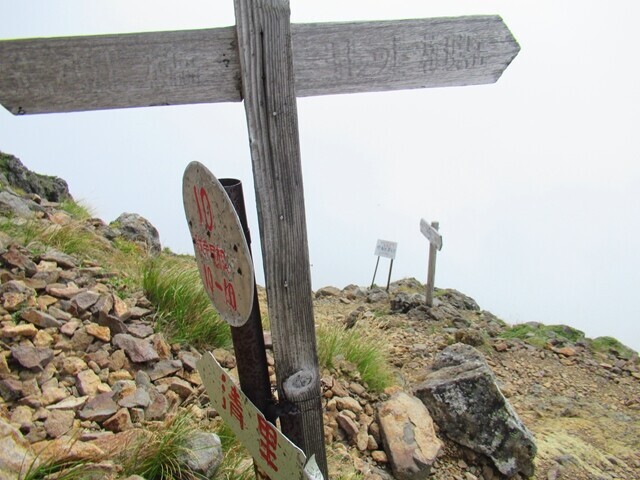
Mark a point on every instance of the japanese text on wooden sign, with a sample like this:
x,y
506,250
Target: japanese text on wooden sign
x,y
274,453
431,233
221,251
387,249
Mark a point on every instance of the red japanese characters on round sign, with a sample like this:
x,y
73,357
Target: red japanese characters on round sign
x,y
221,251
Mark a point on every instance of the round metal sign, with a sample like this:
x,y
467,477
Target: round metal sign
x,y
221,251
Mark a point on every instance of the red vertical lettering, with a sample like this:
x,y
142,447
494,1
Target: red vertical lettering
x,y
205,213
208,278
224,389
206,206
236,407
230,295
195,195
268,442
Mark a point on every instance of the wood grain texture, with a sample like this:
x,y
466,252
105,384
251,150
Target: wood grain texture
x,y
202,66
431,275
119,71
401,54
264,43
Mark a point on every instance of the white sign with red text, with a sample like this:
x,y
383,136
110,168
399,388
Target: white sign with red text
x,y
274,453
221,251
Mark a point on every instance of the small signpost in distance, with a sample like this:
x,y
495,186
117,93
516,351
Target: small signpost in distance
x,y
221,251
387,249
435,244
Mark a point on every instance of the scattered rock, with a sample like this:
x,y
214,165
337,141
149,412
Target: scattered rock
x,y
32,357
16,455
138,229
465,401
408,436
59,422
137,350
204,454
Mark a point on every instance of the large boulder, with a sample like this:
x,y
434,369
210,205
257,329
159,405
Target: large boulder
x,y
408,436
17,175
138,229
462,395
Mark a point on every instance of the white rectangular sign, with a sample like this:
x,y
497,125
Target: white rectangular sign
x,y
431,233
274,453
387,249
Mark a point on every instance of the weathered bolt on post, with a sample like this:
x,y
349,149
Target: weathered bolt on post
x,y
266,62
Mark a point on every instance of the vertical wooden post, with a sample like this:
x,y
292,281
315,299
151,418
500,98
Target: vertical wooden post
x,y
264,44
431,276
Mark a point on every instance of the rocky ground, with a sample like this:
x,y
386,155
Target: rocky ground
x,y
83,369
583,407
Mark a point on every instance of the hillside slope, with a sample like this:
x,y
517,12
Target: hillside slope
x,y
91,357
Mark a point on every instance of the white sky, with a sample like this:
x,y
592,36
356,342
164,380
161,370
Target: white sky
x,y
535,180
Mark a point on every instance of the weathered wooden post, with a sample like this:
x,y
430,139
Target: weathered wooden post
x,y
266,62
435,244
266,65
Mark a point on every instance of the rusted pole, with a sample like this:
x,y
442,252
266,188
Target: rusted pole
x,y
248,340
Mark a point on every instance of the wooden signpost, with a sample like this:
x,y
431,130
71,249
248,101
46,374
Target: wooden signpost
x,y
266,62
435,244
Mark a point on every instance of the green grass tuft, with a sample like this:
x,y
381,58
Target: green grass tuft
x,y
540,335
156,456
185,312
359,347
77,210
610,345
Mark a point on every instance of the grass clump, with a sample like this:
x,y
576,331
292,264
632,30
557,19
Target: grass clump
x,y
65,470
185,312
237,464
610,345
158,454
77,210
540,335
359,347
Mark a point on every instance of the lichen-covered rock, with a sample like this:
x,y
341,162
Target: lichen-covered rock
x,y
466,403
408,436
138,229
53,189
403,302
203,454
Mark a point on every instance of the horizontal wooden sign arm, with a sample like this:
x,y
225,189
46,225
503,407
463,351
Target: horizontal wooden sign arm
x,y
201,66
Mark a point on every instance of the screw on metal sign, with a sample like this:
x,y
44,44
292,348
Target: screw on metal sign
x,y
435,243
387,249
274,453
221,251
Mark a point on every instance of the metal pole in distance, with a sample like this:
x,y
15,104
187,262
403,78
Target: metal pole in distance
x,y
431,277
389,278
248,340
373,280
